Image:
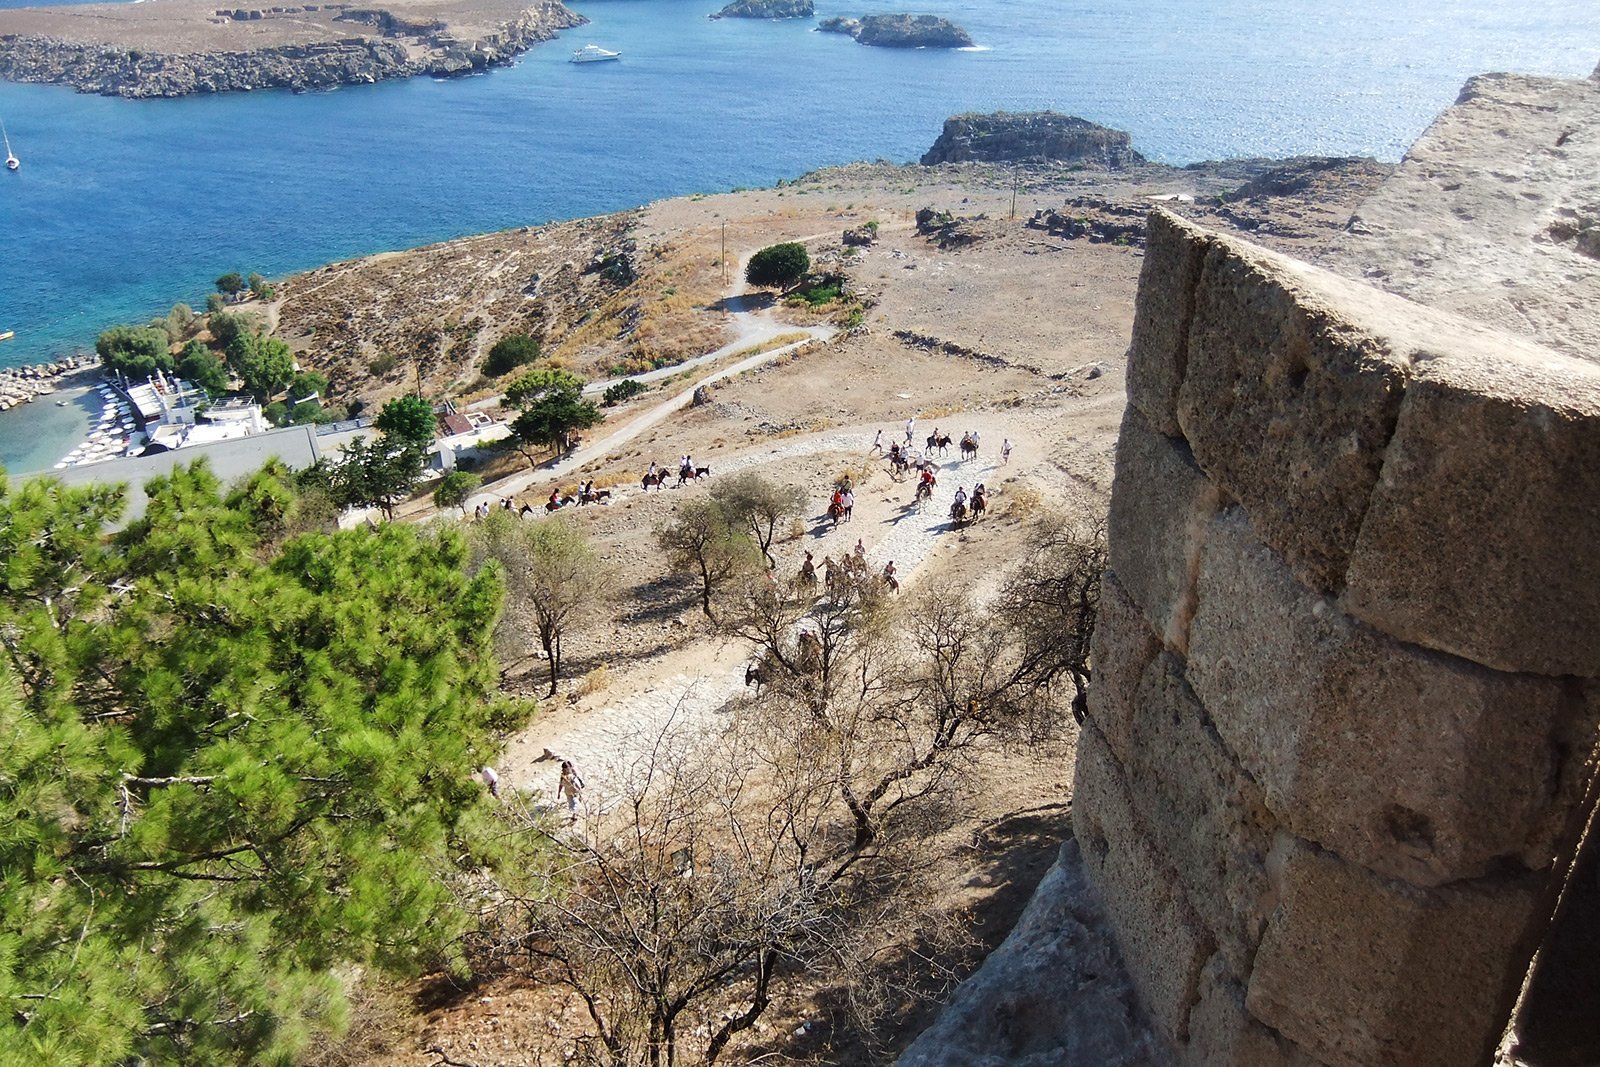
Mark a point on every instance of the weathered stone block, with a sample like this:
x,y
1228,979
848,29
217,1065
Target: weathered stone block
x,y
1289,396
1481,533
1160,503
1419,765
1364,972
1161,939
1123,646
1222,1033
1174,252
1203,811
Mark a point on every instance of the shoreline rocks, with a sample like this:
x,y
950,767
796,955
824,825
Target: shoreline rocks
x,y
900,31
1031,137
379,45
767,9
20,385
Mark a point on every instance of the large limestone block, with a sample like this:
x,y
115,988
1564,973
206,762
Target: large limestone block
x,y
1162,940
1205,814
1122,647
1054,994
1174,252
1160,504
1419,765
1362,972
1482,533
1289,395
1222,1033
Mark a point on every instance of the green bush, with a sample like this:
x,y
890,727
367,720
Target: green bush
x,y
621,392
510,352
778,265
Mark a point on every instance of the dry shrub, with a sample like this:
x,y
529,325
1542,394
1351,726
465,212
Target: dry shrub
x,y
939,411
594,681
1022,501
797,530
379,1020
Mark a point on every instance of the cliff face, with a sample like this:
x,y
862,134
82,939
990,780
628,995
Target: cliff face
x,y
1037,136
373,45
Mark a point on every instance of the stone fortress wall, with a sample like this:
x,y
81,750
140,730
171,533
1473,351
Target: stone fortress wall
x,y
1342,730
1342,739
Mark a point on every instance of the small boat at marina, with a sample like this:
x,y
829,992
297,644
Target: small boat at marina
x,y
12,162
593,53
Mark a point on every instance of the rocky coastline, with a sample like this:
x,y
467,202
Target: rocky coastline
x,y
767,9
20,385
1031,137
373,45
900,31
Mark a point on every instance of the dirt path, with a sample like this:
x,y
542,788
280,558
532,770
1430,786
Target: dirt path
x,y
689,688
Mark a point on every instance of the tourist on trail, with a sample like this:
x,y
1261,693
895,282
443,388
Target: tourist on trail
x,y
877,443
889,571
961,497
848,501
860,549
1005,451
571,787
490,779
911,429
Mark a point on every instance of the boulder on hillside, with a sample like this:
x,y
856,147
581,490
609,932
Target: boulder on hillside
x,y
1031,137
901,31
767,9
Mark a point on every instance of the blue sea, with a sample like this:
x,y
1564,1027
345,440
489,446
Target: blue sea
x,y
123,207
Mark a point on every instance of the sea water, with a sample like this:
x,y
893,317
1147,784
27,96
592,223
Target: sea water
x,y
123,207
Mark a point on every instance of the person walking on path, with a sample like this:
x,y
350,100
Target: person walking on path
x,y
911,430
490,779
1005,451
877,444
571,787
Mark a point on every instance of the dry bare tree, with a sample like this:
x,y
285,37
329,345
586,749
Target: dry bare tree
x,y
554,583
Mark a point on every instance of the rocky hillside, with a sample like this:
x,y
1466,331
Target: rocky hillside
x,y
1031,137
767,9
901,31
374,325
175,49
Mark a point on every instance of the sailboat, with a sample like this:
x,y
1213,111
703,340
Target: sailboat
x,y
12,162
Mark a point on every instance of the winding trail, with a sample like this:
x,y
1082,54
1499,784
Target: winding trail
x,y
693,687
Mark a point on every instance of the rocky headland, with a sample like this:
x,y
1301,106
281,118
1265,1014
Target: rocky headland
x,y
1031,137
767,9
179,47
900,31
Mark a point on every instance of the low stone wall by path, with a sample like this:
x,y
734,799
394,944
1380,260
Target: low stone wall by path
x,y
1346,703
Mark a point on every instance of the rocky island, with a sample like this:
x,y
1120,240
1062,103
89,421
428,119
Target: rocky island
x,y
767,9
1031,137
900,31
179,47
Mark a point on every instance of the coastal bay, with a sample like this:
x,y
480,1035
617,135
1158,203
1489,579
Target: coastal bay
x,y
123,207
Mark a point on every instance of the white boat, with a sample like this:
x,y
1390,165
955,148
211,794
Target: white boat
x,y
12,162
593,53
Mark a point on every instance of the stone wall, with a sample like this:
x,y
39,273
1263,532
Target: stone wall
x,y
1346,698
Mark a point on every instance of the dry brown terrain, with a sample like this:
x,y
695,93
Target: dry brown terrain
x,y
1019,334
183,26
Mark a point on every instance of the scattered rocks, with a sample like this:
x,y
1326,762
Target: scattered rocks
x,y
19,385
1031,137
1095,219
900,31
950,231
